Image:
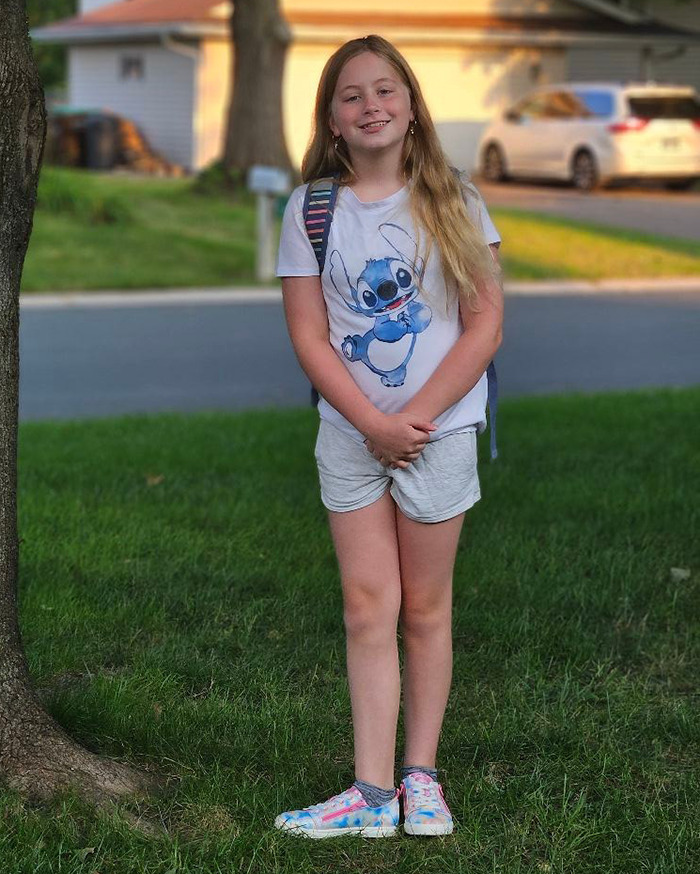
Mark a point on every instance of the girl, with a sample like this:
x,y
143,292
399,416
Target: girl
x,y
395,335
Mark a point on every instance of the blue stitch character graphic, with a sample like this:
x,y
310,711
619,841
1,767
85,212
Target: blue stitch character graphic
x,y
385,292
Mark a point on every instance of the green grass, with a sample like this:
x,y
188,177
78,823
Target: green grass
x,y
537,246
97,231
181,608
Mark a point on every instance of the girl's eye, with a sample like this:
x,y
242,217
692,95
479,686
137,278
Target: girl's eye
x,y
385,90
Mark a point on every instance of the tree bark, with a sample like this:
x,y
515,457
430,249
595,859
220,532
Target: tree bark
x,y
260,37
37,757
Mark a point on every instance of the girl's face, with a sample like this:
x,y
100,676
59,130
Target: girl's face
x,y
371,106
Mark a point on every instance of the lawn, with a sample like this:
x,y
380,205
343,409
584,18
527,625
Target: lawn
x,y
99,231
181,608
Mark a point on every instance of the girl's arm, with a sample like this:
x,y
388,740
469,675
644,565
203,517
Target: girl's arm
x,y
401,434
464,364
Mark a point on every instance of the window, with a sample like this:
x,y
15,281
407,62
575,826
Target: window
x,y
598,103
563,104
665,106
131,67
535,107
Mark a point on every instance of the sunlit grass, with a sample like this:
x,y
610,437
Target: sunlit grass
x,y
100,231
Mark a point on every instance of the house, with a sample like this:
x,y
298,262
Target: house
x,y
166,63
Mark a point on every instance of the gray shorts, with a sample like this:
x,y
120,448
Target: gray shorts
x,y
441,483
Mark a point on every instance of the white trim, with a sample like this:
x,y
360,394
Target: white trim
x,y
179,48
70,34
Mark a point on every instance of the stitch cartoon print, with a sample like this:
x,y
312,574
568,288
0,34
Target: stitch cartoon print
x,y
385,292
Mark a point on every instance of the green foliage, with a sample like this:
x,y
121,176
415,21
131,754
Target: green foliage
x,y
217,179
51,60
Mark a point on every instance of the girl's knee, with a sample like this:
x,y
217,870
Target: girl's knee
x,y
420,617
370,611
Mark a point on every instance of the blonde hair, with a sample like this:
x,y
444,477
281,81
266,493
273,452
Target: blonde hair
x,y
437,193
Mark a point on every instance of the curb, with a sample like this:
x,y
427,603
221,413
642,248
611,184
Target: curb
x,y
190,296
605,286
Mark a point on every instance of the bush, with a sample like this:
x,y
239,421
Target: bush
x,y
216,179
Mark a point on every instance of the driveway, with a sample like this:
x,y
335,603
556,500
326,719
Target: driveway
x,y
126,358
654,211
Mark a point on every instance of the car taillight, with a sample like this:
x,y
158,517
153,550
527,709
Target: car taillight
x,y
629,124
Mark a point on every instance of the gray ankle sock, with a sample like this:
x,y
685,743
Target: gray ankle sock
x,y
374,795
414,769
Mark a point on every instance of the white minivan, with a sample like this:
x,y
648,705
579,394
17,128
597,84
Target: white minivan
x,y
593,133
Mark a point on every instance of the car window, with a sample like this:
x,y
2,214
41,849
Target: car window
x,y
564,104
598,103
532,107
664,106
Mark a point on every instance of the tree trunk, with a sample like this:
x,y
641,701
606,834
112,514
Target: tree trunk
x,y
37,757
260,37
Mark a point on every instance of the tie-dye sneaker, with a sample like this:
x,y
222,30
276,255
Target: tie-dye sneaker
x,y
424,807
344,814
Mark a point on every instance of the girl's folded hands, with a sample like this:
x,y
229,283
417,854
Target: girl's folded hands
x,y
398,439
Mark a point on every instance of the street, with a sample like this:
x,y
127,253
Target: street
x,y
102,361
650,210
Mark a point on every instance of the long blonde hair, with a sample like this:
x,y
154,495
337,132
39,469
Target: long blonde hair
x,y
437,194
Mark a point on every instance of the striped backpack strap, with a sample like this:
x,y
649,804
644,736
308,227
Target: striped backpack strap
x,y
317,211
492,379
319,203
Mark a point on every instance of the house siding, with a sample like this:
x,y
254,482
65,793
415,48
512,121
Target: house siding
x,y
599,64
678,14
213,89
661,65
686,68
161,104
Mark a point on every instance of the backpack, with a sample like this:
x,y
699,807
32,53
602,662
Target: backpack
x,y
317,211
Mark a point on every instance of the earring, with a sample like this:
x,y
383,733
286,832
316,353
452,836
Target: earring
x,y
412,129
336,140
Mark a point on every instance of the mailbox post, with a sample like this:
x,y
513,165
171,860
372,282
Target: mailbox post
x,y
267,183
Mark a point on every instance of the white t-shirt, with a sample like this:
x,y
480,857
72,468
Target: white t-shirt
x,y
391,322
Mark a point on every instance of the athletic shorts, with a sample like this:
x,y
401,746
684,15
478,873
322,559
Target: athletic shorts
x,y
441,483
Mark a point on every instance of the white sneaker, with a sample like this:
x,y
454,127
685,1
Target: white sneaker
x,y
424,807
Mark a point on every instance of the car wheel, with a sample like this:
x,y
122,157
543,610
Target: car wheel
x,y
681,184
493,167
584,171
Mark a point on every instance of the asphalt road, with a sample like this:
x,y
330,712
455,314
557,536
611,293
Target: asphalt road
x,y
79,362
654,211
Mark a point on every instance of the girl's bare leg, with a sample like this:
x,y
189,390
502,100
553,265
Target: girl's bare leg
x,y
367,548
427,554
